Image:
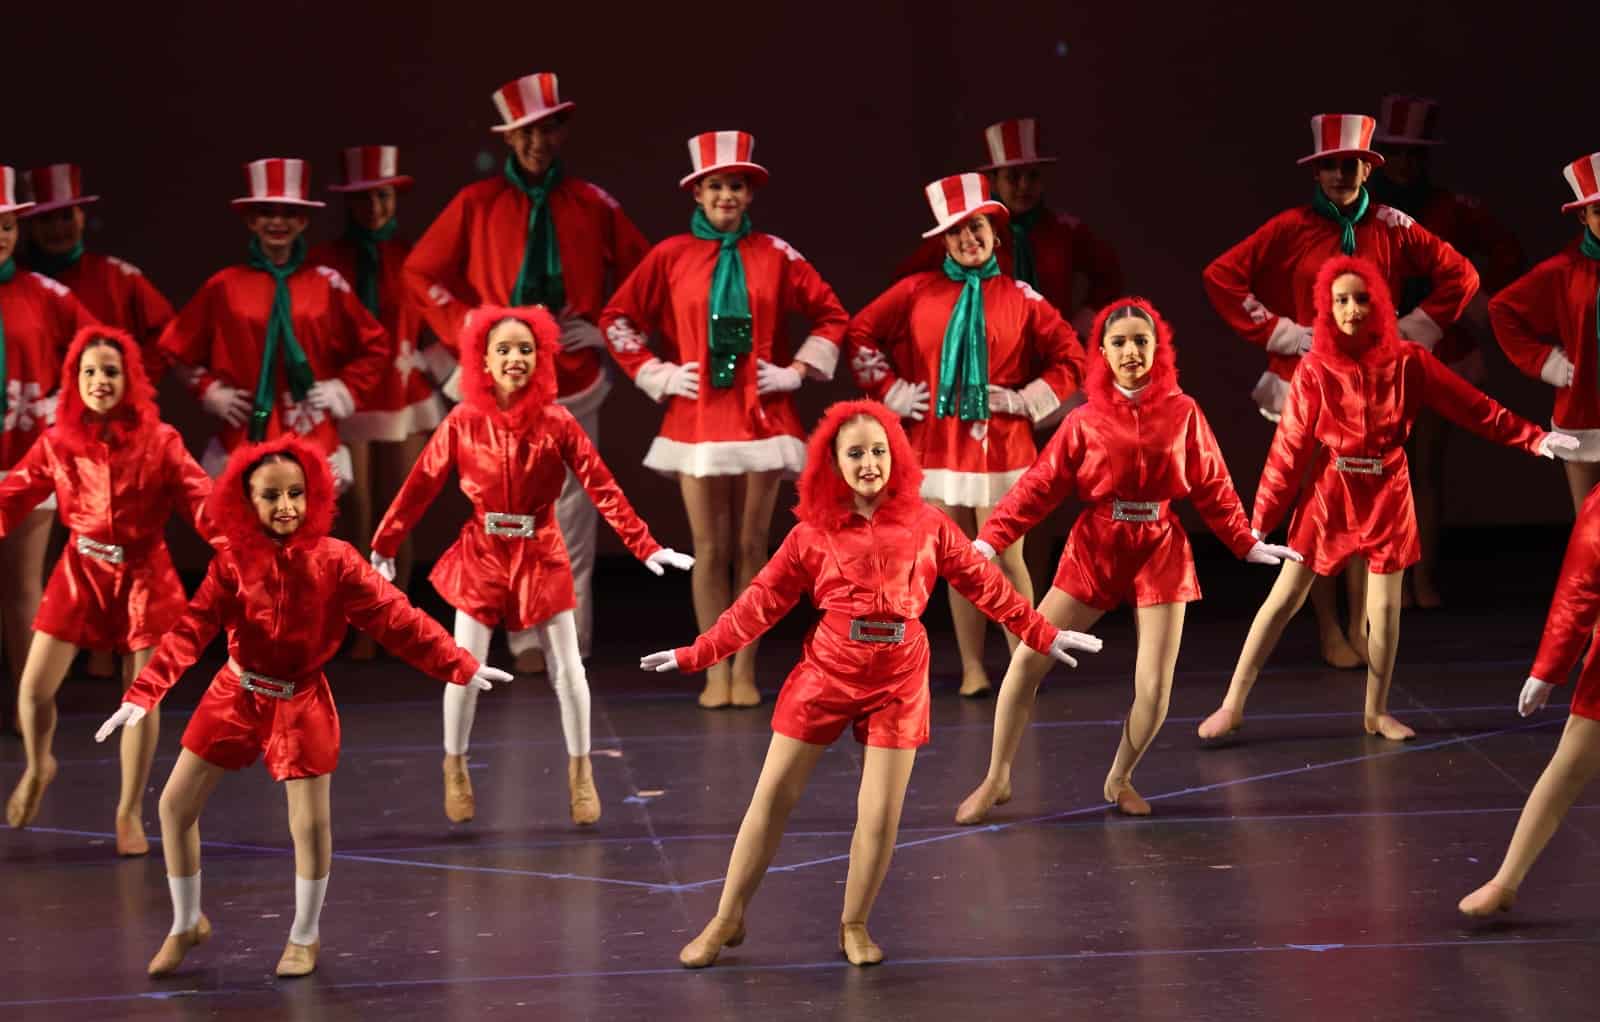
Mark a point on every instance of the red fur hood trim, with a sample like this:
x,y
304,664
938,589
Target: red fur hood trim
x,y
1379,339
137,409
230,511
826,500
477,388
1100,384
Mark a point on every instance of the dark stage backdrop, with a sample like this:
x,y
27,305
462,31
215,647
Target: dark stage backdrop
x,y
1178,126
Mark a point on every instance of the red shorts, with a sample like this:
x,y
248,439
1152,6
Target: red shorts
x,y
94,604
1109,562
233,727
519,582
878,689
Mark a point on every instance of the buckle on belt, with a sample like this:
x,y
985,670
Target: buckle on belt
x,y
260,684
108,552
1135,511
498,523
1359,466
862,630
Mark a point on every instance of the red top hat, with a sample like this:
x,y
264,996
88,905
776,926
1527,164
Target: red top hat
x,y
1013,144
279,181
1408,120
371,166
1584,177
955,198
724,150
1342,135
56,187
8,191
528,99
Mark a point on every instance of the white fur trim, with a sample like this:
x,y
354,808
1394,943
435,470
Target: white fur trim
x,y
1286,337
968,489
440,362
820,355
1557,369
1040,399
1588,443
727,457
391,427
1049,422
1417,326
589,399
1269,394
652,378
47,504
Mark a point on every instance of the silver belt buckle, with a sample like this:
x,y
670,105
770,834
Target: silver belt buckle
x,y
1358,466
108,552
260,684
1135,511
498,523
862,630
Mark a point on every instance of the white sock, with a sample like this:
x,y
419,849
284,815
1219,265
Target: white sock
x,y
185,893
569,679
308,895
461,701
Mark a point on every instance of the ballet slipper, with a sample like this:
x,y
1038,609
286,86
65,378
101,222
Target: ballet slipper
x,y
23,805
459,805
1337,651
975,807
716,695
529,661
1388,727
703,950
1488,900
976,685
857,944
1220,724
744,694
583,799
1128,801
299,959
177,945
131,839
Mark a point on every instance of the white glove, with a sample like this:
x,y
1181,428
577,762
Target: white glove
x,y
985,549
684,381
484,677
129,715
451,387
776,379
230,404
666,660
1535,694
1557,369
1557,445
384,566
667,557
1066,643
1271,553
1005,401
333,397
907,400
578,333
1289,338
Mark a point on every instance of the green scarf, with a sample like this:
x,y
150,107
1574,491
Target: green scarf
x,y
729,301
8,270
280,332
964,358
368,259
539,279
52,265
1347,224
1590,246
1022,247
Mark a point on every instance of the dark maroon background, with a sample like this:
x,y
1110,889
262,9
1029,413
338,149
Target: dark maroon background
x,y
1178,129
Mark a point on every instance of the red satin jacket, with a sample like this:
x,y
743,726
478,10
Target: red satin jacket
x,y
1574,611
1555,301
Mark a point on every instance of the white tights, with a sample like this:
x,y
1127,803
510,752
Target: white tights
x,y
559,637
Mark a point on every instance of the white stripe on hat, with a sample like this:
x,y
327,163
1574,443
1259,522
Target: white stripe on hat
x,y
971,191
294,179
1027,138
1349,132
727,147
258,178
61,181
532,97
388,161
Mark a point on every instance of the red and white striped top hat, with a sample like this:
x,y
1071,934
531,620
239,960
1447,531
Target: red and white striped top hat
x,y
371,166
277,180
1342,135
724,150
1408,120
1013,143
56,187
1584,177
528,99
955,198
8,191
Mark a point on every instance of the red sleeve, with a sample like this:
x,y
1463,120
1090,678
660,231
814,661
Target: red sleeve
x,y
1231,281
1575,608
1293,445
433,273
808,294
380,610
366,350
774,591
1455,281
873,332
1524,313
188,483
635,311
186,340
1043,487
1094,257
182,645
601,486
991,592
1470,408
1055,347
27,483
422,485
1211,486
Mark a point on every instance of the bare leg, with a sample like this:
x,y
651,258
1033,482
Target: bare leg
x,y
1355,583
1426,455
1581,478
884,776
137,751
1571,769
1383,610
783,777
1336,650
1288,593
191,783
1160,635
311,826
709,503
970,624
1014,708
22,569
755,497
47,663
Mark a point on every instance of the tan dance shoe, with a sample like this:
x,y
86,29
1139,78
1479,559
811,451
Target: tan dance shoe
x,y
858,945
131,840
1488,900
703,950
744,694
24,803
976,686
299,959
975,807
1131,803
459,805
167,960
1220,724
1386,726
584,799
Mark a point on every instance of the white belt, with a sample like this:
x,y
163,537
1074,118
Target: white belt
x,y
260,684
1358,466
108,552
497,523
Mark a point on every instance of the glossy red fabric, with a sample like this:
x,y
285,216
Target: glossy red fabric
x,y
472,253
1154,447
511,461
1358,397
1574,612
118,294
41,317
1555,301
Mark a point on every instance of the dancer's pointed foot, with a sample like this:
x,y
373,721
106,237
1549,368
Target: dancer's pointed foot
x,y
298,959
1488,900
167,960
858,945
975,684
1128,801
718,934
717,694
1221,723
584,799
23,805
975,807
1388,727
459,804
1337,651
131,839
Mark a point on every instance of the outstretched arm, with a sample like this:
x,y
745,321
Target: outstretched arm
x,y
182,646
1042,488
1575,608
1470,408
420,488
1292,447
377,608
601,486
771,594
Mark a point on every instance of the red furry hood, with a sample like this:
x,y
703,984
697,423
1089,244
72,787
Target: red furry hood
x,y
1379,339
477,388
826,501
230,511
137,409
1100,384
